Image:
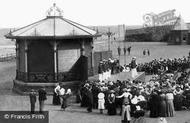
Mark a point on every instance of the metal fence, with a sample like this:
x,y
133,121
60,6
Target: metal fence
x,y
8,57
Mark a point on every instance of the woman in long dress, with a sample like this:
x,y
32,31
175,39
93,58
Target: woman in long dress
x,y
169,103
163,104
111,103
154,104
178,99
56,98
63,98
101,102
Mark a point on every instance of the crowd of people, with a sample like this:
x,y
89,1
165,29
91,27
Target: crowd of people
x,y
170,65
161,96
168,91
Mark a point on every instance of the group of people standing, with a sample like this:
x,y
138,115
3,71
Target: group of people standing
x,y
125,50
108,67
60,96
41,98
146,51
161,103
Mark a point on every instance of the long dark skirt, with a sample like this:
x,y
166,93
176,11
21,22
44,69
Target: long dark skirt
x,y
111,109
64,102
56,99
178,102
163,112
133,109
154,109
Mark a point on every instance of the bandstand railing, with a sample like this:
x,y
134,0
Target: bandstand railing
x,y
47,77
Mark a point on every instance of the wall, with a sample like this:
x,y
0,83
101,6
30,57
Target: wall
x,y
88,54
68,54
71,65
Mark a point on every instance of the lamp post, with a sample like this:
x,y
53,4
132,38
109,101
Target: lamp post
x,y
109,34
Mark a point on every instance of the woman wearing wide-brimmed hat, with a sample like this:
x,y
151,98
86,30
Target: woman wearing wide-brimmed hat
x,y
101,101
111,103
126,94
178,98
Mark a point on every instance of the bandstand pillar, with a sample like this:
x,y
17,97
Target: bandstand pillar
x,y
55,60
82,48
92,56
26,58
17,59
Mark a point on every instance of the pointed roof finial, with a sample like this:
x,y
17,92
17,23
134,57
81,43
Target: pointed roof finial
x,y
54,11
54,4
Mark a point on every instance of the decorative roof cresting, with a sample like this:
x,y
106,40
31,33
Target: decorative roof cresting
x,y
54,11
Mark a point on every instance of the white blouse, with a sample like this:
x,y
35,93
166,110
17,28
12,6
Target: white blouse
x,y
169,96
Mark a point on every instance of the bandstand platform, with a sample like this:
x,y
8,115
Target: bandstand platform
x,y
122,76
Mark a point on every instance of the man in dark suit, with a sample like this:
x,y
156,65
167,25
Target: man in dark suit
x,y
42,98
32,100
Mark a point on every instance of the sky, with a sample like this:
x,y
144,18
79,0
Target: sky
x,y
19,13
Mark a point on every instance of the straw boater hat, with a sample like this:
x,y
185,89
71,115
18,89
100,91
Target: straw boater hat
x,y
125,89
112,91
134,57
101,95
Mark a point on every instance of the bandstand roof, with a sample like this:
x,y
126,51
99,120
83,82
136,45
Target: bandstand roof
x,y
53,26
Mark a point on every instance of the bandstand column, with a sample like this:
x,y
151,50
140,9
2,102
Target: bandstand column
x,y
26,58
17,59
82,48
92,56
55,59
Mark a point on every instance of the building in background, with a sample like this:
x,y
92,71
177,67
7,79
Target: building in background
x,y
179,34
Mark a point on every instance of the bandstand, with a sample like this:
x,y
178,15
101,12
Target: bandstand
x,y
52,50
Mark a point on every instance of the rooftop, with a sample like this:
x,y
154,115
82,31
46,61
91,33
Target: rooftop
x,y
54,25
